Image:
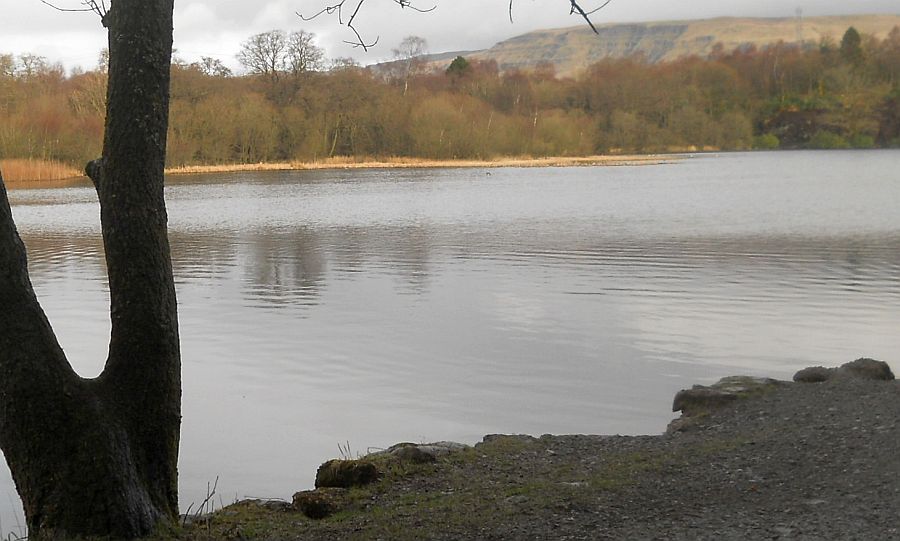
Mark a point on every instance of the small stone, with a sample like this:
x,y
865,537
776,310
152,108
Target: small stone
x,y
346,473
275,505
518,499
814,374
320,503
867,369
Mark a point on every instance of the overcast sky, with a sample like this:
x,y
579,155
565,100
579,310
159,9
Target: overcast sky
x,y
216,28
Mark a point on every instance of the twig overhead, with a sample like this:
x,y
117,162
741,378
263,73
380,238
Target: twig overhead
x,y
99,8
337,8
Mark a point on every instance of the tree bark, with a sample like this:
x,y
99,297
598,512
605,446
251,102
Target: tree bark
x,y
99,457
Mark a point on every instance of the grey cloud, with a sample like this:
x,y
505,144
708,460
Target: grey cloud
x,y
216,27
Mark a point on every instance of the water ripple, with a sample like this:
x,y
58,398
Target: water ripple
x,y
553,300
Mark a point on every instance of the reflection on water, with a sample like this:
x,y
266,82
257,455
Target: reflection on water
x,y
380,306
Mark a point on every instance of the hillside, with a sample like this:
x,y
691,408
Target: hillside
x,y
572,49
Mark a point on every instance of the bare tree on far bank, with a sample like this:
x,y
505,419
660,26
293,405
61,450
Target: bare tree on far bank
x,y
409,55
275,54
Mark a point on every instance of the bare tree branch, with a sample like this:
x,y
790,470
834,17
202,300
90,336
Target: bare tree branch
x,y
598,8
575,8
338,7
99,8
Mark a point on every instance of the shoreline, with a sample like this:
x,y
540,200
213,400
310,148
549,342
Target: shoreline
x,y
419,163
387,163
749,458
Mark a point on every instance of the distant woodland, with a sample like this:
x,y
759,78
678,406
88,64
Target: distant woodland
x,y
296,105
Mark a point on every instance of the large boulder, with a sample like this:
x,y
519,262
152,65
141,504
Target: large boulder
x,y
866,368
702,398
409,452
863,368
814,374
346,473
320,503
421,453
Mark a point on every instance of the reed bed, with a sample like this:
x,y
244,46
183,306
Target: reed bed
x,y
402,162
35,170
29,170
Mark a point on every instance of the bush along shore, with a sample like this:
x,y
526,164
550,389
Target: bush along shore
x,y
842,92
749,458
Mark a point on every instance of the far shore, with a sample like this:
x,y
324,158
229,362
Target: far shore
x,y
417,163
69,176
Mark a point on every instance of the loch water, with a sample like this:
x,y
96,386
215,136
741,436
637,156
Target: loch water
x,y
366,307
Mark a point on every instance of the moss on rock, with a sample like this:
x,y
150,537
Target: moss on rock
x,y
320,503
346,474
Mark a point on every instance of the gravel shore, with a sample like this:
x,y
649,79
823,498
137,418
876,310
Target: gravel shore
x,y
793,461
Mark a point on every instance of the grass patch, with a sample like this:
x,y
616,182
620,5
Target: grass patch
x,y
469,491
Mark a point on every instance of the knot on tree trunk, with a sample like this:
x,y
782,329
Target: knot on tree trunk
x,y
94,171
106,18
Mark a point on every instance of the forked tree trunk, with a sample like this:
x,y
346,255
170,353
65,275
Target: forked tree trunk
x,y
99,457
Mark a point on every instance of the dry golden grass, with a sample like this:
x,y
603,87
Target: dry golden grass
x,y
25,172
344,162
33,170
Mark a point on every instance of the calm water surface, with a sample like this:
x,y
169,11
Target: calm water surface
x,y
373,307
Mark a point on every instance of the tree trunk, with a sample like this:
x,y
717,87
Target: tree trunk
x,y
99,457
